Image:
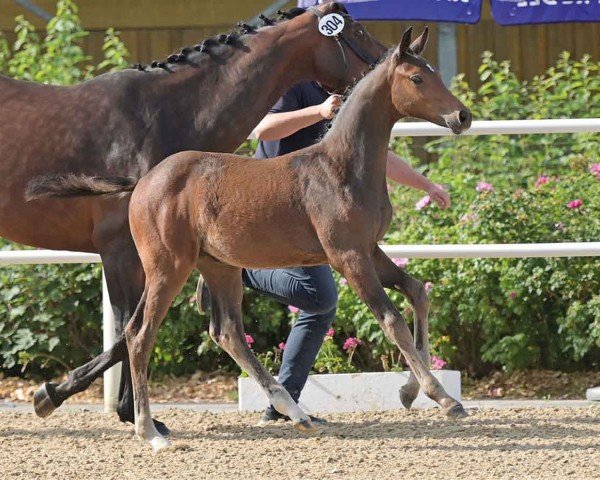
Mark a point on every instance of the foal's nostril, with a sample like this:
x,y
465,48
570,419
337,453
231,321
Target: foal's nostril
x,y
464,115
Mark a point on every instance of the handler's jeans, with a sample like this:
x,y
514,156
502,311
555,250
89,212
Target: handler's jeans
x,y
314,292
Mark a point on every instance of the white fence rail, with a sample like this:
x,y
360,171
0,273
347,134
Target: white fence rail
x,y
495,250
503,127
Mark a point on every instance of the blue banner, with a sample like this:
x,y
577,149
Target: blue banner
x,y
517,12
458,11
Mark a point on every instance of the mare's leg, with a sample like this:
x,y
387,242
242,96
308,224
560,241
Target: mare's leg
x,y
226,328
124,278
359,270
393,277
125,281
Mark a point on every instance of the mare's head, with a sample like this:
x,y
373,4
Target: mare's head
x,y
418,90
339,60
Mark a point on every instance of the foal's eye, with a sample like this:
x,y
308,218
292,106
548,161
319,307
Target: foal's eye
x,y
416,79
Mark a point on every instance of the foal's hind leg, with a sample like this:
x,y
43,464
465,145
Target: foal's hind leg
x,y
393,277
226,328
163,282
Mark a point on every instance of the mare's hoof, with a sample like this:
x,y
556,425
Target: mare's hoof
x,y
159,443
162,428
306,426
406,398
457,412
42,402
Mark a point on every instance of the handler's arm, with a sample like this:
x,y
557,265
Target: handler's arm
x,y
280,125
401,172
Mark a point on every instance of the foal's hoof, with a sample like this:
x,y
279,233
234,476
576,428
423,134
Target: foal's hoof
x,y
161,428
159,443
306,426
457,412
406,398
42,403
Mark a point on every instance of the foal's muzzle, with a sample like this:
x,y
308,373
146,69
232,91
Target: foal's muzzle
x,y
458,121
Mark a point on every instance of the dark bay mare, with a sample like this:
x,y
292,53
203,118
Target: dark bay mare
x,y
208,97
324,204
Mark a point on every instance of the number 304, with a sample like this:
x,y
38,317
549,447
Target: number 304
x,y
330,26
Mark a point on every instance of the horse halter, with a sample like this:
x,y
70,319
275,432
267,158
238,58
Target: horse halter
x,y
341,40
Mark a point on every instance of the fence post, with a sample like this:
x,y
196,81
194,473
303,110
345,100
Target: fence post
x,y
112,376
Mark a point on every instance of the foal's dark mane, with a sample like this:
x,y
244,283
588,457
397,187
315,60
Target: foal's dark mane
x,y
211,45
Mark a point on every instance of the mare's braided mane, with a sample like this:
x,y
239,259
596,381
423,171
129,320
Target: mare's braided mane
x,y
232,39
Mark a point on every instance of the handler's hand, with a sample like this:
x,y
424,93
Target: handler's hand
x,y
329,107
439,196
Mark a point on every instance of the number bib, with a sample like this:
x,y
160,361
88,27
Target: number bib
x,y
331,24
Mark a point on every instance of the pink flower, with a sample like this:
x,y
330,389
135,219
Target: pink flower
x,y
484,187
428,286
281,346
512,295
437,363
421,204
401,262
249,340
293,309
595,170
541,181
575,204
330,332
351,343
343,281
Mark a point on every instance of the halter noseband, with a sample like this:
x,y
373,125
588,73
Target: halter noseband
x,y
342,40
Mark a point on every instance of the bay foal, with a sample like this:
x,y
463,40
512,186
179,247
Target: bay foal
x,y
324,204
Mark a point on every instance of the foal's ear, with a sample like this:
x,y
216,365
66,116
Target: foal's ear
x,y
403,46
419,44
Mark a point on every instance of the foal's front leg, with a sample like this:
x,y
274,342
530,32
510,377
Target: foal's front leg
x,y
359,270
393,277
227,330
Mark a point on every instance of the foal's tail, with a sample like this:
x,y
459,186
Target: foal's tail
x,y
73,185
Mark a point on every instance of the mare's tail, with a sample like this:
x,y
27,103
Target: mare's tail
x,y
73,185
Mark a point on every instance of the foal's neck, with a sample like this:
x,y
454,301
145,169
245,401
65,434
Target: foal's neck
x,y
214,105
359,137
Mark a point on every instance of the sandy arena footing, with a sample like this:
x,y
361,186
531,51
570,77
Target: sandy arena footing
x,y
507,443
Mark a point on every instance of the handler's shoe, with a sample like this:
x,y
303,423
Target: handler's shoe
x,y
271,416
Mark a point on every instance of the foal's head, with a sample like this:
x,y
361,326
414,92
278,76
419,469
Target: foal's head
x,y
418,90
339,60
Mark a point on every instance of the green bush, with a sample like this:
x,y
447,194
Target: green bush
x,y
510,313
514,313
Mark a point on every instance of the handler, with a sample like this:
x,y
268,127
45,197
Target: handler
x,y
299,119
